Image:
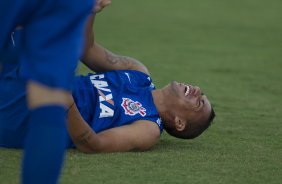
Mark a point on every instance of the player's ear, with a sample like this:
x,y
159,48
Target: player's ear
x,y
179,124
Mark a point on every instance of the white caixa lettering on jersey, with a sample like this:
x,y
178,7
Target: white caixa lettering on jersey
x,y
105,95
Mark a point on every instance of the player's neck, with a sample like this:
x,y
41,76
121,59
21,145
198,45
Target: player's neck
x,y
160,101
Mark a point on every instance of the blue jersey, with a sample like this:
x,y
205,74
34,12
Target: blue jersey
x,y
115,98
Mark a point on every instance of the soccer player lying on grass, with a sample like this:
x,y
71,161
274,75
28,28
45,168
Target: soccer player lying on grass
x,y
121,111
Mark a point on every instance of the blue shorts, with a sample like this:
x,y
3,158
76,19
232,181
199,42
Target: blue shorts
x,y
13,114
50,41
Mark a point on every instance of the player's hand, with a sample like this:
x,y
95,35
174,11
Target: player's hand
x,y
101,4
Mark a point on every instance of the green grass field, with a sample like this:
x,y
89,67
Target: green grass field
x,y
233,51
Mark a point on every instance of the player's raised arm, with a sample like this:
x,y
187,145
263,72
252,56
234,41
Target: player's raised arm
x,y
139,136
99,59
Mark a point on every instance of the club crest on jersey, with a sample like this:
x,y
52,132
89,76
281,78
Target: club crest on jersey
x,y
132,108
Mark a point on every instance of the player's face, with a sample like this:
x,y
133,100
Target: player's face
x,y
190,104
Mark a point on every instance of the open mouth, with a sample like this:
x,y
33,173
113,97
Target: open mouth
x,y
187,90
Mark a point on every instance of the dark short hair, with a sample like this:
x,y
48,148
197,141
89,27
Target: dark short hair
x,y
194,129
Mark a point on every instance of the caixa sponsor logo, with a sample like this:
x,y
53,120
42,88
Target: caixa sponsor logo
x,y
106,101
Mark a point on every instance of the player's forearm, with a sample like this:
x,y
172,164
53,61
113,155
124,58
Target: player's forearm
x,y
82,135
82,140
100,59
89,28
123,62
